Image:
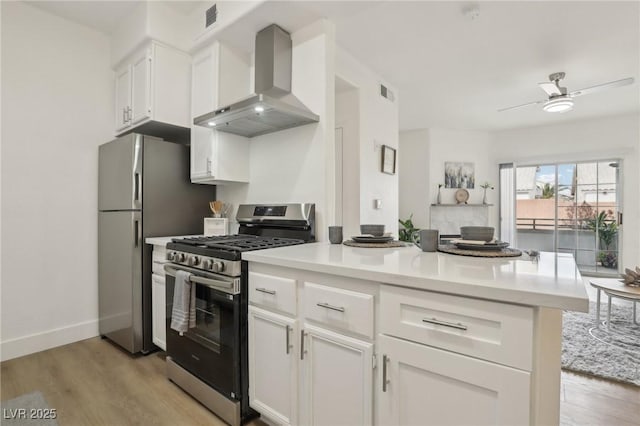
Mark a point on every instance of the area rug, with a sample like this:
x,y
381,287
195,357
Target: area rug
x,y
30,409
613,354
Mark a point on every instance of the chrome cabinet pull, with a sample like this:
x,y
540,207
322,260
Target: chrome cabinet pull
x,y
301,344
124,115
435,321
287,342
385,382
328,306
264,290
129,115
209,166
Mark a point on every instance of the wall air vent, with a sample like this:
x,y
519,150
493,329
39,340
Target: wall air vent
x,y
212,15
386,93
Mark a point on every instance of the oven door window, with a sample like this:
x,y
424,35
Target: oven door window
x,y
208,320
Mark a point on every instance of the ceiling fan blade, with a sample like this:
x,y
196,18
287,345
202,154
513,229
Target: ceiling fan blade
x,y
550,88
523,105
600,87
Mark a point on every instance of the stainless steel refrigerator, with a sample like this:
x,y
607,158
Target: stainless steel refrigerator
x,y
143,190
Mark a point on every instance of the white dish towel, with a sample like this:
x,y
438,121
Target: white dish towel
x,y
183,313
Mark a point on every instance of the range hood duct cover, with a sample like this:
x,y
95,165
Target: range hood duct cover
x,y
273,107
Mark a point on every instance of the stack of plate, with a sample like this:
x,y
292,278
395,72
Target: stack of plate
x,y
372,239
480,245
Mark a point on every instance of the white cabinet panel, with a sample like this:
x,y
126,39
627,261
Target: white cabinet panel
x,y
123,97
429,386
493,331
141,87
338,374
158,307
153,85
276,293
339,309
273,376
219,76
203,82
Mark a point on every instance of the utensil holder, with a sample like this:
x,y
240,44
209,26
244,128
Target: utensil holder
x,y
216,226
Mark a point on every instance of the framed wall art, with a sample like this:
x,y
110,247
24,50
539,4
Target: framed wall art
x,y
459,175
388,160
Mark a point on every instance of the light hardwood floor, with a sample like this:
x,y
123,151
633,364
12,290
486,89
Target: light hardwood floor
x,y
94,383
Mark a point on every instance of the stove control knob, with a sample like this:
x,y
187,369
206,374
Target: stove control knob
x,y
194,260
182,257
208,264
171,255
217,266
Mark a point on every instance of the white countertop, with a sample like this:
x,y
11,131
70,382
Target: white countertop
x,y
553,281
162,241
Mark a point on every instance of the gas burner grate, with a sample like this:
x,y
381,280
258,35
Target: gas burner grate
x,y
238,243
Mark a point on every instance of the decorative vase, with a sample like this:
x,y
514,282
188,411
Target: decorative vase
x,y
439,198
484,197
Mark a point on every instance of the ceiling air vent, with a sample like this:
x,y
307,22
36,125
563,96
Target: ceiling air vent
x,y
386,93
212,15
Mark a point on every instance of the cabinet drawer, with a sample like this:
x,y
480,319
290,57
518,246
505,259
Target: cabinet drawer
x,y
157,267
493,331
339,309
273,292
159,253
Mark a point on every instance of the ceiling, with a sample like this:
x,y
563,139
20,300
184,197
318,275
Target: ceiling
x,y
454,69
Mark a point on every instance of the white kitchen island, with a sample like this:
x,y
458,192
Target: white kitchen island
x,y
343,335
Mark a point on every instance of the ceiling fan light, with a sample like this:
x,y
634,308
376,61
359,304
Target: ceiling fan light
x,y
562,104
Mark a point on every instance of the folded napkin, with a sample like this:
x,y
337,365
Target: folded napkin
x,y
183,312
473,242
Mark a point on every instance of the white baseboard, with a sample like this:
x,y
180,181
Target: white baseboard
x,y
33,343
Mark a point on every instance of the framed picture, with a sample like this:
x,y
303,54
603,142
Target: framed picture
x,y
459,175
388,160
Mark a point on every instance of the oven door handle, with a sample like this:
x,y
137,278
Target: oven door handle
x,y
209,282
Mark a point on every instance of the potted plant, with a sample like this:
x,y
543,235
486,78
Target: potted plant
x,y
404,233
607,230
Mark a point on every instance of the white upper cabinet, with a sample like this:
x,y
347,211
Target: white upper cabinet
x,y
153,84
141,87
123,97
219,76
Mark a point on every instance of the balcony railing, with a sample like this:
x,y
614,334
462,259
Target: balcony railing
x,y
548,224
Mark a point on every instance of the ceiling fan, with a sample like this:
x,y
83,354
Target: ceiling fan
x,y
561,101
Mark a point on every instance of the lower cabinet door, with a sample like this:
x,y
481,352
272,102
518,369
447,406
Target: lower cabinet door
x,y
337,379
158,315
273,378
428,386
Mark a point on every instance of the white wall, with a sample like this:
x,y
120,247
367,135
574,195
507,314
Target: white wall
x,y
430,149
605,138
150,20
291,165
378,126
57,107
415,165
348,119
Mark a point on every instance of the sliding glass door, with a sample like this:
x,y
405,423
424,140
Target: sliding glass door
x,y
571,207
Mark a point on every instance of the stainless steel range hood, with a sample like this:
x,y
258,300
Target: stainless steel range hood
x,y
273,107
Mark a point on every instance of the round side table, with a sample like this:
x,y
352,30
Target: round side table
x,y
614,288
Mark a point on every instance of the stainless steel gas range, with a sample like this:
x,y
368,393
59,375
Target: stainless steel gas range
x,y
210,360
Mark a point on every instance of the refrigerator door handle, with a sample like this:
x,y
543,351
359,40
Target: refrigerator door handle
x,y
137,172
136,233
136,191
